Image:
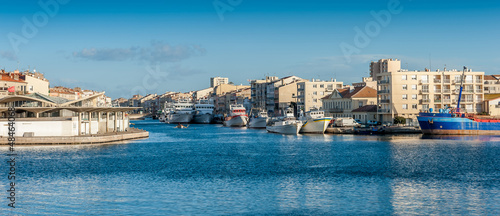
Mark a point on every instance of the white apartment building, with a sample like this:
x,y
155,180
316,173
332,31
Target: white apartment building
x,y
406,93
215,81
310,93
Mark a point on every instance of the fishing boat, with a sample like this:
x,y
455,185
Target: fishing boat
x,y
258,121
453,122
203,112
287,124
237,116
314,121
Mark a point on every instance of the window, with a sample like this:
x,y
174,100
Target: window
x,y
315,86
315,93
360,104
414,97
405,106
413,77
405,87
31,88
405,97
403,77
321,93
414,106
413,87
315,100
321,86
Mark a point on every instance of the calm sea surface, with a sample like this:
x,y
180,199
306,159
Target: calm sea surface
x,y
214,170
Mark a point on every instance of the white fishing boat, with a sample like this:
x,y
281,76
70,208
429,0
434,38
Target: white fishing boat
x,y
162,117
258,121
203,112
237,116
287,124
314,121
179,112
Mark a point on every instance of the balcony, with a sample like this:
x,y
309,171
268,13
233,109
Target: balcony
x,y
386,91
424,91
426,101
423,81
446,90
437,100
479,91
479,81
468,101
437,81
497,106
437,90
446,100
468,91
447,80
469,81
385,101
384,110
383,82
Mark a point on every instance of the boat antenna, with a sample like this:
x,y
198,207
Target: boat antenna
x,y
461,87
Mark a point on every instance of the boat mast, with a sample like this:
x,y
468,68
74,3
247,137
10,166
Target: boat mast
x,y
461,87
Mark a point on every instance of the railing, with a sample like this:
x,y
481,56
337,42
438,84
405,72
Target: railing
x,y
446,80
385,101
469,90
383,81
446,90
424,91
468,81
426,100
384,110
437,101
385,91
437,90
424,81
468,101
497,106
446,100
479,81
479,90
437,81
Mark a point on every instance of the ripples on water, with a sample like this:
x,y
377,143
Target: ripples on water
x,y
210,169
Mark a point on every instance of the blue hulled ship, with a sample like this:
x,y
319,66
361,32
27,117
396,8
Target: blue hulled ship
x,y
453,122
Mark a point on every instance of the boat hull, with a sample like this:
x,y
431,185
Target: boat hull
x,y
203,118
259,122
236,121
448,125
179,118
317,125
289,129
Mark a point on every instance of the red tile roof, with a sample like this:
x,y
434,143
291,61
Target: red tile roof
x,y
360,92
6,77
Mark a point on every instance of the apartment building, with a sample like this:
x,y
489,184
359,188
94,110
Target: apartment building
x,y
342,102
215,81
282,91
406,93
259,91
491,84
310,93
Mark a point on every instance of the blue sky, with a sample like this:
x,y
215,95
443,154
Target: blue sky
x,y
156,46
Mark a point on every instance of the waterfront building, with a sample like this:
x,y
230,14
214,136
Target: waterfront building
x,y
310,93
280,94
341,102
202,94
215,81
238,96
365,113
491,104
491,84
13,82
406,93
366,81
43,115
259,92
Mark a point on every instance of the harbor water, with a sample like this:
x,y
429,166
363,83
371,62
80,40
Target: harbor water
x,y
215,170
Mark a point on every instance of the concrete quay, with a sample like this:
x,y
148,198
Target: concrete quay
x,y
131,134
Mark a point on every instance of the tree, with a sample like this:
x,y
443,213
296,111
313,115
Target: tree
x,y
399,120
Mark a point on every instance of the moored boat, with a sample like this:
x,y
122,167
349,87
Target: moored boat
x,y
203,112
179,112
258,121
287,124
237,116
314,121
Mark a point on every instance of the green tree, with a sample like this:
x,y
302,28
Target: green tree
x,y
399,120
